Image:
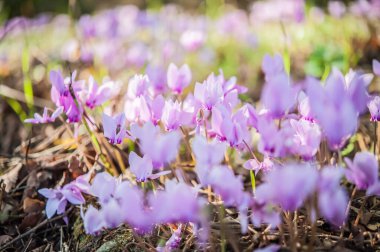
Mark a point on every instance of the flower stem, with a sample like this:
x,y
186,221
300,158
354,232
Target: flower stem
x,y
222,230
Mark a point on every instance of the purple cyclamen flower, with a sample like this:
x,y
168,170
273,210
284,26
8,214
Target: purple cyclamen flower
x,y
209,93
114,128
138,86
165,147
230,128
332,205
304,107
307,138
103,186
332,198
157,77
376,67
363,171
58,198
288,195
333,109
208,153
173,242
272,66
173,116
142,167
45,118
96,95
374,108
278,95
178,78
92,221
266,165
177,203
137,110
356,86
58,83
224,182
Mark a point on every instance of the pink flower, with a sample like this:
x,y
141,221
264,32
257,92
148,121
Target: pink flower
x,y
165,147
307,138
138,86
374,108
142,167
95,95
45,118
178,78
173,116
114,128
363,171
209,93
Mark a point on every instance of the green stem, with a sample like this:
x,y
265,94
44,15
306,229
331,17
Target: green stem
x,y
253,180
222,231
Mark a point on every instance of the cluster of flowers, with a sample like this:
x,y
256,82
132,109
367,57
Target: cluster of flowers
x,y
291,122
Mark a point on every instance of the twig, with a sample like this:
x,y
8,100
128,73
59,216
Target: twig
x,y
31,231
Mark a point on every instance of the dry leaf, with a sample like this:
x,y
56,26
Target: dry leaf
x,y
30,220
5,238
32,205
10,178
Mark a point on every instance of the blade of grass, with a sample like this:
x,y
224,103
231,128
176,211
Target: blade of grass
x,y
16,106
28,86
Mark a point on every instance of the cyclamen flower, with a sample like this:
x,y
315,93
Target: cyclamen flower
x,y
278,95
61,95
333,109
374,108
177,203
272,66
173,117
138,86
363,171
376,67
356,86
208,153
288,195
58,198
178,78
228,127
92,221
173,242
114,128
266,165
307,138
142,167
103,186
45,118
332,198
96,95
304,108
165,147
230,187
157,77
137,110
58,83
209,93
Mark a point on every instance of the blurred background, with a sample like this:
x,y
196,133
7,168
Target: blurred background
x,y
30,8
